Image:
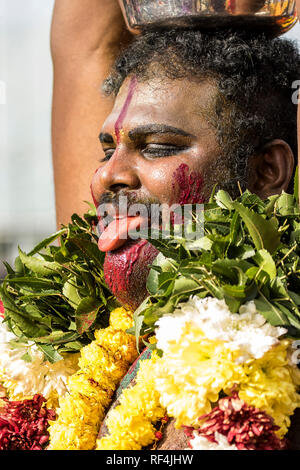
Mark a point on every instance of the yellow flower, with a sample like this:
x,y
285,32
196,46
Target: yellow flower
x,y
269,384
76,428
102,364
192,373
132,434
194,370
121,319
130,424
22,380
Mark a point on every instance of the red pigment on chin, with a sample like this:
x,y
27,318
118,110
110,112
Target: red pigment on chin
x,y
126,271
188,185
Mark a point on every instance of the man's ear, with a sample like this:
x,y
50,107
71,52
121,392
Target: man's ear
x,y
272,169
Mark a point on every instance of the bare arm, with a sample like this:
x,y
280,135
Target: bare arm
x,y
85,39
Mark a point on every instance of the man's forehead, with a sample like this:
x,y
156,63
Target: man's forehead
x,y
173,102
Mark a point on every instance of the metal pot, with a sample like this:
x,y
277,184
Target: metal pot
x,y
273,17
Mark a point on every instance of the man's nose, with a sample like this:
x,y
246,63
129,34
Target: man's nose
x,y
119,172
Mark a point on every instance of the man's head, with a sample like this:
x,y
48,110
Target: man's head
x,y
194,110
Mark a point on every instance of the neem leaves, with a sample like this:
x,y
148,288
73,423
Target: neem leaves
x,y
55,295
253,254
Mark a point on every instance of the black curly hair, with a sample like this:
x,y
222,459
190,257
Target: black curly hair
x,y
253,75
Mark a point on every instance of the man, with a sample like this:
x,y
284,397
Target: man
x,y
191,111
214,108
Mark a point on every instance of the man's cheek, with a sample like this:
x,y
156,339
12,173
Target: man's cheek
x,y
157,183
187,186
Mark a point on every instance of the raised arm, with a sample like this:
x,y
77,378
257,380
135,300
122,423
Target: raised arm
x,y
85,39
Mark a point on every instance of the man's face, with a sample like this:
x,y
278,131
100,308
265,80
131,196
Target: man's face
x,y
159,148
154,128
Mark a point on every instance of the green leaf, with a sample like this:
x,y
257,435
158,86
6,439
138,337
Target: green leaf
x,y
86,314
184,286
34,282
242,293
293,320
228,268
50,353
234,229
271,204
152,282
162,243
271,313
286,205
9,269
28,327
89,249
232,303
26,357
37,296
39,266
203,243
92,207
296,185
58,337
263,231
138,319
72,346
224,200
265,263
295,297
46,242
70,291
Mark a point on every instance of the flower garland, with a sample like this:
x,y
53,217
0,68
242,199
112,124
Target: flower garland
x,y
131,423
209,352
22,379
103,363
215,351
233,425
23,424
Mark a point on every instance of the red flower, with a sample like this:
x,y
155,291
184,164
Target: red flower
x,y
1,309
23,424
246,427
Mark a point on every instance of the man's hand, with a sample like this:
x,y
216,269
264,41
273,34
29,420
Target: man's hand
x,y
85,39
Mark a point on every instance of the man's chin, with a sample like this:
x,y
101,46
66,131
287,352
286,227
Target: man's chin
x,y
126,270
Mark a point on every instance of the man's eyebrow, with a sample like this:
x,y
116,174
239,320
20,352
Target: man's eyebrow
x,y
106,138
148,129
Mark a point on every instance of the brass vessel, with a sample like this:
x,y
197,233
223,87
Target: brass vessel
x,y
273,17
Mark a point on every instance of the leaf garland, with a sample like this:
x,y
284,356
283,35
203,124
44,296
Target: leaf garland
x,y
249,251
55,295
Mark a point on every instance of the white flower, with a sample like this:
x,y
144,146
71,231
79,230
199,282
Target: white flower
x,y
246,332
201,443
23,379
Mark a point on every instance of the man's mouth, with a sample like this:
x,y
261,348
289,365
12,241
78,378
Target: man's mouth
x,y
119,231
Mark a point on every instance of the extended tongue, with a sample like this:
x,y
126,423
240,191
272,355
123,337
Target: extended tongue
x,y
116,234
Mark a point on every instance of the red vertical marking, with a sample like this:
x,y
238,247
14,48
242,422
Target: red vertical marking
x,y
120,120
189,185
